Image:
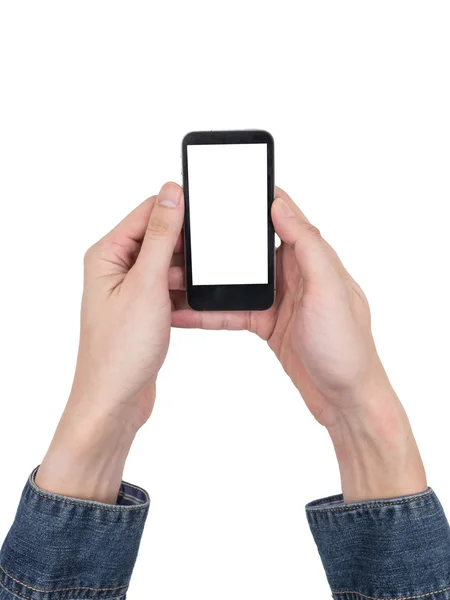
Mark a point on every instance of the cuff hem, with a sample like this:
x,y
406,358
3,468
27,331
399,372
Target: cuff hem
x,y
130,497
22,590
336,503
349,595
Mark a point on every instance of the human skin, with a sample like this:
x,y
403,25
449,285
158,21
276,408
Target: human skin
x,y
319,329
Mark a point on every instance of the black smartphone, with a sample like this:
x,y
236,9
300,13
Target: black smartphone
x,y
228,181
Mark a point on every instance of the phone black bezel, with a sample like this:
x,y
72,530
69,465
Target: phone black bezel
x,y
235,296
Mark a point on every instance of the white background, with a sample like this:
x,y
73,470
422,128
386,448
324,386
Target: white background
x,y
95,99
228,213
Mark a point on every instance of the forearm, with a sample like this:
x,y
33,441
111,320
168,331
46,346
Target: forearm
x,y
87,455
386,536
376,450
78,526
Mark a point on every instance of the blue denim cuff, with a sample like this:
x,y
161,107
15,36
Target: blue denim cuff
x,y
395,548
62,548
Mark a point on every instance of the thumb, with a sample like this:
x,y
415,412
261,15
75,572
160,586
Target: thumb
x,y
163,229
310,250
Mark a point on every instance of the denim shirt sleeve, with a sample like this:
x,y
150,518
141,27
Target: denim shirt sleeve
x,y
61,548
396,548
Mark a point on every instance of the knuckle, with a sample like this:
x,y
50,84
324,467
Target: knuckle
x,y
313,231
158,227
225,322
89,254
358,291
99,251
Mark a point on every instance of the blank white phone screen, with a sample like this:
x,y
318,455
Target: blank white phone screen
x,y
228,213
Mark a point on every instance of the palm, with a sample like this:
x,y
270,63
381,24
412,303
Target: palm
x,y
277,324
319,326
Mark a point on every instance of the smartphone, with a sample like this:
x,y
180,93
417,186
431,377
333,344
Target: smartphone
x,y
228,181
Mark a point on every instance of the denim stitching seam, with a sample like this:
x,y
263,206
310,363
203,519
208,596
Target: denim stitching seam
x,y
19,595
87,504
92,589
329,499
368,506
404,598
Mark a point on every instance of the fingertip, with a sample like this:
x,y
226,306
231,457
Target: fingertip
x,y
177,278
166,220
163,231
170,195
281,207
280,193
282,219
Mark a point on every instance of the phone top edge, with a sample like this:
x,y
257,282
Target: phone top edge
x,y
237,136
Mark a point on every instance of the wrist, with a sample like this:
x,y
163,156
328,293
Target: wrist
x,y
87,455
376,450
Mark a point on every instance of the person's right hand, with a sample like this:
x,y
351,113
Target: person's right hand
x,y
319,326
124,338
319,329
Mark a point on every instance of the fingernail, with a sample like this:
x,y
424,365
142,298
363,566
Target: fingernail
x,y
169,195
283,208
